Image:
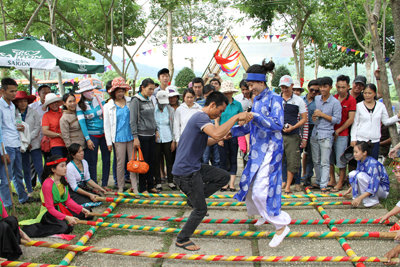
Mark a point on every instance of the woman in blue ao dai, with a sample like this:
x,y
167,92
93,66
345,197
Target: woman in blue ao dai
x,y
370,181
261,182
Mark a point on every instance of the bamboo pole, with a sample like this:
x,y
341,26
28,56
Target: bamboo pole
x,y
343,243
238,221
214,196
223,204
390,235
82,241
27,264
181,256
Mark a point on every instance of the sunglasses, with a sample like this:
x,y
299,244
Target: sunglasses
x,y
314,90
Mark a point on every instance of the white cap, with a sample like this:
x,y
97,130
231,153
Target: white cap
x,y
286,80
162,97
50,99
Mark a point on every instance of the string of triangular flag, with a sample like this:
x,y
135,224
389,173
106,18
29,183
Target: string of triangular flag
x,y
193,39
343,49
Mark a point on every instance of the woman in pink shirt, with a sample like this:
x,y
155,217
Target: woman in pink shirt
x,y
54,216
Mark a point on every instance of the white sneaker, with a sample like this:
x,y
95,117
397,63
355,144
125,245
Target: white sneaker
x,y
260,221
277,239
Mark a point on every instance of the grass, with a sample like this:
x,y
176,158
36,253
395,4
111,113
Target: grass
x,y
254,243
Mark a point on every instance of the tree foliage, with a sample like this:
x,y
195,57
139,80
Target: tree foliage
x,y
82,26
190,18
184,77
280,71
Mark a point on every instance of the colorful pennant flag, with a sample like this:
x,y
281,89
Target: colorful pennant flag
x,y
189,38
144,53
329,45
149,51
194,38
348,50
109,66
248,38
165,46
277,36
293,36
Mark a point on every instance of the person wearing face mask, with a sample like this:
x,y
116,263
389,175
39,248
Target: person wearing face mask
x,y
90,116
165,144
118,130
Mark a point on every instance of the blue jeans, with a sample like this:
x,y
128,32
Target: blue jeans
x,y
338,147
215,160
59,150
114,168
36,157
229,152
91,157
321,152
15,174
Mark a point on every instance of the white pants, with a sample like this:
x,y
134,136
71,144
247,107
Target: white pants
x,y
256,202
363,180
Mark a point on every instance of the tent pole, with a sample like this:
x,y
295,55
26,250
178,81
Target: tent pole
x,y
30,81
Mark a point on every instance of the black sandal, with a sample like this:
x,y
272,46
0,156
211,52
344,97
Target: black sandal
x,y
187,244
325,191
288,193
314,186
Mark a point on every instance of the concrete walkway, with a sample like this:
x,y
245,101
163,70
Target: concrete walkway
x,y
165,242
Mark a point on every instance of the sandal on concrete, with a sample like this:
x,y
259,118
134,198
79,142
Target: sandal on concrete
x,y
186,245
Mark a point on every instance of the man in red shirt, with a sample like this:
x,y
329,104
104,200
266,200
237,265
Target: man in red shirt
x,y
341,135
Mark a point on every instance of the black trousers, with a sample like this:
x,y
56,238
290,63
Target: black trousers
x,y
198,186
148,147
164,148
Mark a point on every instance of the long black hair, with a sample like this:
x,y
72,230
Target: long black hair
x,y
81,103
72,150
47,170
65,98
146,82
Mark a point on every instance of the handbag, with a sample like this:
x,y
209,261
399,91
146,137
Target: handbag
x,y
137,165
45,144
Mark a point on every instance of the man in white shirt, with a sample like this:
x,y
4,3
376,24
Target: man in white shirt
x,y
163,77
245,97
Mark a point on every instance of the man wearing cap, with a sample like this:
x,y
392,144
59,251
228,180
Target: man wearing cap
x,y
341,134
12,143
293,106
328,112
163,77
358,86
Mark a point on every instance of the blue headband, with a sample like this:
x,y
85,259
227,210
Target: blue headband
x,y
259,77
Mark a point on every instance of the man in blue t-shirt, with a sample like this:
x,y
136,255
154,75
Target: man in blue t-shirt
x,y
199,181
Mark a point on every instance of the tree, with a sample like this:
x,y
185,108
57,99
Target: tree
x,y
280,71
187,18
184,77
81,26
294,13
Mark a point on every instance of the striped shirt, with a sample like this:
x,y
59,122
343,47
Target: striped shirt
x,y
91,120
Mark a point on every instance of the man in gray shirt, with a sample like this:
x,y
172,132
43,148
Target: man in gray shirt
x,y
328,112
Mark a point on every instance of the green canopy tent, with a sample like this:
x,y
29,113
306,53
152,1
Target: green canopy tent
x,y
30,53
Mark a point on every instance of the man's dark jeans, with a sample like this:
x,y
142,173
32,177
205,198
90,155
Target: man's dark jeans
x,y
198,186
